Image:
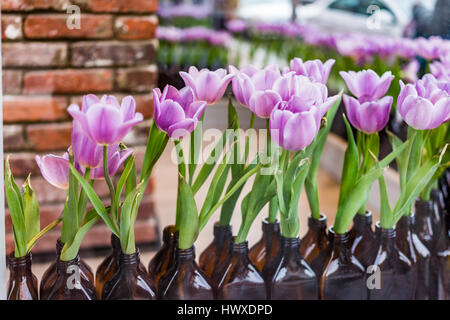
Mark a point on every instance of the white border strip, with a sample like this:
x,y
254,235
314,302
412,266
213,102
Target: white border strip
x,y
2,199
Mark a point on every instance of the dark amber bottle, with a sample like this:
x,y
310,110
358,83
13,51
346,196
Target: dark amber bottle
x,y
314,245
343,277
394,277
362,239
108,267
185,280
293,278
129,282
22,283
424,227
409,243
70,284
218,249
50,275
237,278
164,259
267,247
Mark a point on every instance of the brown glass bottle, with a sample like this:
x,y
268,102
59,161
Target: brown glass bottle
x,y
218,250
409,243
70,286
185,280
22,283
108,267
314,245
267,247
237,278
292,278
343,277
164,259
362,239
129,282
396,276
50,275
424,227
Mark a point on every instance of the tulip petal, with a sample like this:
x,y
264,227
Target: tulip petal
x,y
55,170
102,121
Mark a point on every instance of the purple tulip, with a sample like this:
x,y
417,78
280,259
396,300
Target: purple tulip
x,y
171,34
207,85
293,125
55,169
265,79
441,69
315,70
370,116
177,112
236,26
242,86
424,105
409,72
366,85
429,48
105,121
263,102
116,158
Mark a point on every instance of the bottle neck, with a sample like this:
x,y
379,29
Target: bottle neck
x,y
318,225
424,209
270,228
129,261
363,222
62,266
115,242
170,236
222,234
239,249
340,243
59,247
20,264
290,246
186,255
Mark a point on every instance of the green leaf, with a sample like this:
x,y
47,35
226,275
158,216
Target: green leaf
x,y
210,163
386,215
70,250
33,241
71,220
129,166
351,165
31,211
188,216
127,221
95,200
156,143
14,201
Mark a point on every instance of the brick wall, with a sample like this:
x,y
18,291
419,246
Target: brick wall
x,y
47,66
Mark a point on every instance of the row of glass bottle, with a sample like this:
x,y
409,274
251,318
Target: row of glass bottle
x,y
413,260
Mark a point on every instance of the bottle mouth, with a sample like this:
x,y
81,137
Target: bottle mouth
x,y
363,218
130,259
338,237
321,222
423,206
385,233
270,226
59,246
17,262
115,241
170,234
62,265
241,247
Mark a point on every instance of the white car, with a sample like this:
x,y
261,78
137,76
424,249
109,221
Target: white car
x,y
389,17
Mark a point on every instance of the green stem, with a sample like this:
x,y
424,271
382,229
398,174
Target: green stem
x,y
182,171
83,200
108,180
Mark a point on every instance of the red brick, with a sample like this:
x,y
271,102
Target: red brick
x,y
28,5
34,54
140,6
45,26
113,53
34,108
11,27
68,81
12,81
136,28
23,163
46,137
137,79
13,138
